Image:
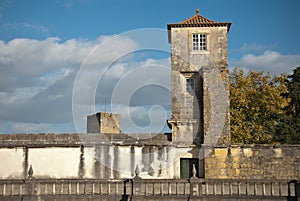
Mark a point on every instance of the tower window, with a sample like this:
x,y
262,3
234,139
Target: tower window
x,y
190,84
199,42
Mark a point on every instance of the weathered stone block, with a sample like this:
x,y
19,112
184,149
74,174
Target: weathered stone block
x,y
220,152
247,152
235,151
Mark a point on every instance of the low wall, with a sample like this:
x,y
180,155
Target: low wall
x,y
97,162
90,156
253,162
95,156
140,189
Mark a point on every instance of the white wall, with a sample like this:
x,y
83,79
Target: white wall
x,y
11,163
54,162
125,162
165,166
89,162
64,162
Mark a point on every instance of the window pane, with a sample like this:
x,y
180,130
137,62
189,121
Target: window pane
x,y
190,84
199,42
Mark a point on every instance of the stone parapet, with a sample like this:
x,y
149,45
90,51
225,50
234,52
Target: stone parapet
x,y
45,139
141,189
253,162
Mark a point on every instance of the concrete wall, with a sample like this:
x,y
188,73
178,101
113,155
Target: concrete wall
x,y
253,162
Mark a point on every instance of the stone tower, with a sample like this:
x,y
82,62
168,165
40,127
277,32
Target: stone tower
x,y
103,122
200,82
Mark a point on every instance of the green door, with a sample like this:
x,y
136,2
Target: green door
x,y
186,167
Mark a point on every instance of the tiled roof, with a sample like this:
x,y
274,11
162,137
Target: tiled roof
x,y
199,21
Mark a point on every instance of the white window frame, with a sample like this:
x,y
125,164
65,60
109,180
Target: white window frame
x,y
199,42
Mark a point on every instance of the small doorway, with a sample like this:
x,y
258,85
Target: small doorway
x,y
186,167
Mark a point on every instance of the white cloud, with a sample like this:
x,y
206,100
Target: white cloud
x,y
27,29
252,47
135,87
24,127
20,127
35,28
137,81
143,119
269,61
37,79
37,76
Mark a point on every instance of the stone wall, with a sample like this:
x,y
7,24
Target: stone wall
x,y
109,156
202,117
104,122
253,162
116,156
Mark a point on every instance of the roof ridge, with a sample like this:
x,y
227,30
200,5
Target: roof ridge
x,y
197,18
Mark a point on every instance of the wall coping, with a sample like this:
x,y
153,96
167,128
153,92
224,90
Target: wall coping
x,y
86,139
94,139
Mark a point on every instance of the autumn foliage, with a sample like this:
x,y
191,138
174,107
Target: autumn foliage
x,y
260,108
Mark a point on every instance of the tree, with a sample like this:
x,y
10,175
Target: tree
x,y
288,129
293,83
256,105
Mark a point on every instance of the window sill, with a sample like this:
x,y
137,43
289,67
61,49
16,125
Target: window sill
x,y
199,52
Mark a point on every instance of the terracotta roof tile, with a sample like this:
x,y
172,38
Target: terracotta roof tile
x,y
199,21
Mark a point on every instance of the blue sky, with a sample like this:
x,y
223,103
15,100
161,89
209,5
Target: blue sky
x,y
43,44
269,23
